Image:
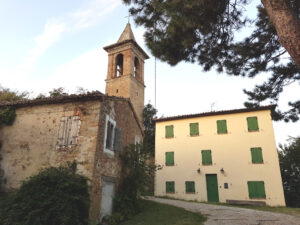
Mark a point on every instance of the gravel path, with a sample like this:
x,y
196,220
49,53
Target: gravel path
x,y
224,215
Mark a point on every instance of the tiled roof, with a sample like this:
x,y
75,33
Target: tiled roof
x,y
214,113
60,99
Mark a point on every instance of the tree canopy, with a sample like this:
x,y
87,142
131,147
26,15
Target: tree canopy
x,y
205,31
149,114
289,158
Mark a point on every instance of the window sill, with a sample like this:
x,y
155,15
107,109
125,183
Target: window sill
x,y
253,130
257,198
169,137
109,152
207,164
170,192
170,165
257,162
223,133
195,135
190,192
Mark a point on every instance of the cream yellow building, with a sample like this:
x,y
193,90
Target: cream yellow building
x,y
226,156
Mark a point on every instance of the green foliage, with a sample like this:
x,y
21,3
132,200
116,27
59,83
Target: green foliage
x,y
7,95
149,114
58,92
7,116
289,158
205,31
55,196
161,214
137,174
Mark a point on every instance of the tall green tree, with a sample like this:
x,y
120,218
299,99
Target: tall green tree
x,y
289,158
149,114
204,31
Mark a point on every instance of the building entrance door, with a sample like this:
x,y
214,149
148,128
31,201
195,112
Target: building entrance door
x,y
212,188
108,192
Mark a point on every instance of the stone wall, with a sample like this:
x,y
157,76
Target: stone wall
x,y
31,142
106,164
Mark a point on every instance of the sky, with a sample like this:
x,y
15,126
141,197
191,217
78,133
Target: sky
x,y
51,44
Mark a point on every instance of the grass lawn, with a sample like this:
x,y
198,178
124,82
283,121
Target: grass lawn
x,y
160,214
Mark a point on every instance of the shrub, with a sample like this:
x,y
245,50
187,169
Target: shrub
x,y
55,196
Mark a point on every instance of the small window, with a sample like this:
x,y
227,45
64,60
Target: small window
x,y
170,187
256,154
169,158
221,126
194,129
68,131
169,131
190,187
256,189
252,123
112,138
206,157
119,65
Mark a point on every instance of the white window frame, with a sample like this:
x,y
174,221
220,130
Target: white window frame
x,y
113,122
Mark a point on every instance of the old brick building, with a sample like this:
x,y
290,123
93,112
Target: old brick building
x,y
90,129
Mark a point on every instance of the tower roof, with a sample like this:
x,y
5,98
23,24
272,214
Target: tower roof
x,y
127,34
126,37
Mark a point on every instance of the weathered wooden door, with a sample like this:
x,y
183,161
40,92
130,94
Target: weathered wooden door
x,y
212,188
108,191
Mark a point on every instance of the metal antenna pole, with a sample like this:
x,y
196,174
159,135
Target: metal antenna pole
x,y
155,82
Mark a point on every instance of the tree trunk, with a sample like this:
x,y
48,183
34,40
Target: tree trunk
x,y
287,25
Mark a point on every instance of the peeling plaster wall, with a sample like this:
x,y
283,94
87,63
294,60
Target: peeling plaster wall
x,y
31,142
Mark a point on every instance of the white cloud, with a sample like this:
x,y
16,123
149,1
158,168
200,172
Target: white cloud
x,y
87,71
54,28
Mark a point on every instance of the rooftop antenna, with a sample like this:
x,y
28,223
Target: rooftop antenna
x,y
212,105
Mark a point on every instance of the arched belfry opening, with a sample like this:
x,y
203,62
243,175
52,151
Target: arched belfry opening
x,y
119,65
136,69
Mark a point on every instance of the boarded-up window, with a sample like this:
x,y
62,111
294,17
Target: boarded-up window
x,y
252,123
206,157
194,129
190,187
68,131
256,189
169,131
221,126
170,187
169,158
256,155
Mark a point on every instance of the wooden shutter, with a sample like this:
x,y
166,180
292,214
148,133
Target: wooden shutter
x,y
74,129
256,154
252,123
206,157
61,132
169,158
194,129
117,140
169,131
256,189
170,187
221,126
190,187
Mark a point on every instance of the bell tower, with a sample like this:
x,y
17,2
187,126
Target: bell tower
x,y
125,74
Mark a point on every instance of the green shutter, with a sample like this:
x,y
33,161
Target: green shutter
x,y
169,158
170,187
206,157
169,131
222,126
190,187
252,123
256,189
256,155
194,129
